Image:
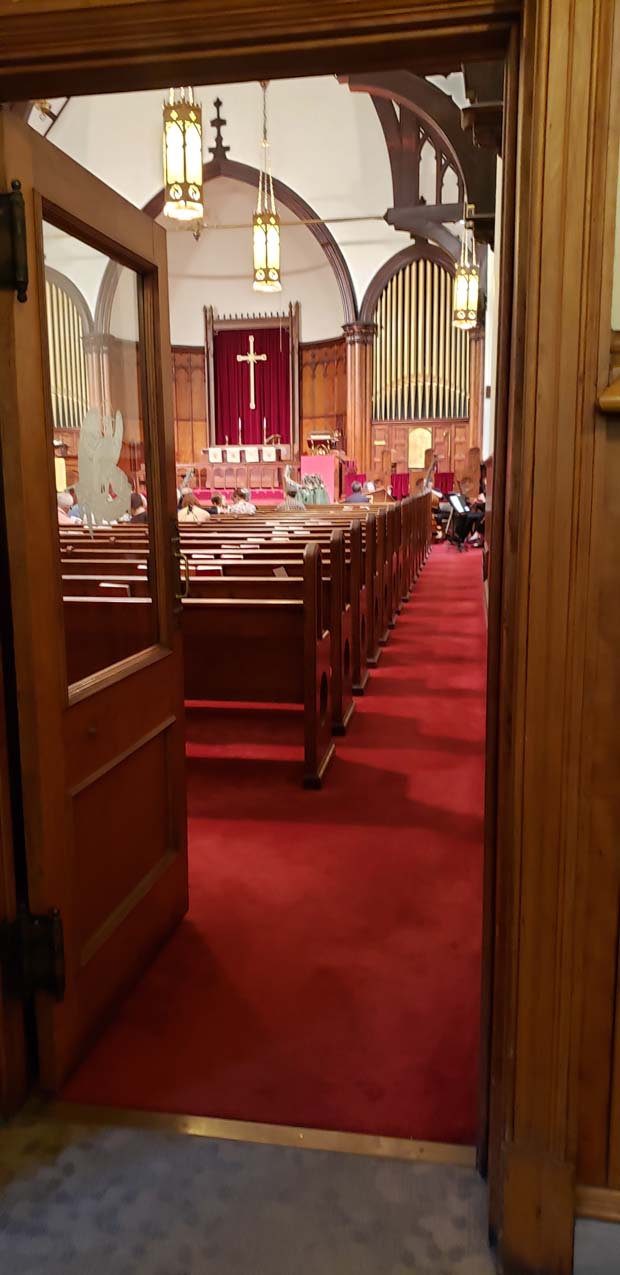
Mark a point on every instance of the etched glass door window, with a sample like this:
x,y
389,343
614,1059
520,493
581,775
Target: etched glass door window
x,y
99,443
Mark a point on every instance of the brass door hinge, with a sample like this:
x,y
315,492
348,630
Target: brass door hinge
x,y
13,253
32,954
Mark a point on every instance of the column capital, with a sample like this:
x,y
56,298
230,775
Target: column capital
x,y
359,333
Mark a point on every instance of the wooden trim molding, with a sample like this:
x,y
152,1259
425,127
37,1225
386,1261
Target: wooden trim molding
x,y
598,1203
106,47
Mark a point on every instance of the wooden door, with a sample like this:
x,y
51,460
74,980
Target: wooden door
x,y
102,757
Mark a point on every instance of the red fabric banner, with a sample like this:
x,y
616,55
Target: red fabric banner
x,y
271,386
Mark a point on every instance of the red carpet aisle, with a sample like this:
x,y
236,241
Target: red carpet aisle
x,y
328,972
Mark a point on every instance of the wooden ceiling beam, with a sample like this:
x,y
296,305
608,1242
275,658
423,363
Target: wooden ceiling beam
x,y
59,47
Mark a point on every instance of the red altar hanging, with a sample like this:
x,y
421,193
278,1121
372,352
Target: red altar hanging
x,y
233,386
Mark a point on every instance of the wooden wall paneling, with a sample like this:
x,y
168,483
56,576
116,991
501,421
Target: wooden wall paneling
x,y
190,403
476,386
323,373
450,442
182,398
124,380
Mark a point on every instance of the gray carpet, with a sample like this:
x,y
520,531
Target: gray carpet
x,y
597,1248
118,1201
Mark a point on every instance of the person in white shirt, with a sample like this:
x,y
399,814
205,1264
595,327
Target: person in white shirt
x,y
241,503
191,510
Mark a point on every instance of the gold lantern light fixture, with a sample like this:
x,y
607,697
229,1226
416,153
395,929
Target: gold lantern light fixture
x,y
265,222
466,279
182,140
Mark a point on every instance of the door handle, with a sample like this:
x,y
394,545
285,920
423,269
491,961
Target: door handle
x,y
181,577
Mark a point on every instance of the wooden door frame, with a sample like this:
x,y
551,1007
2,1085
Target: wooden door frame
x,y
566,130
13,1048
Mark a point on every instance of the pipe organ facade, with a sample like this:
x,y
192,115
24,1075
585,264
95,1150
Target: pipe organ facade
x,y
421,361
67,358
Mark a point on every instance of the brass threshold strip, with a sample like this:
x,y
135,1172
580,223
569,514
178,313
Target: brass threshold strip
x,y
368,1144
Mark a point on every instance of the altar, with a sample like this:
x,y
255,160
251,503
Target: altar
x,y
259,469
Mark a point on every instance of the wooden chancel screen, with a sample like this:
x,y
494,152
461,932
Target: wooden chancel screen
x,y
273,378
421,370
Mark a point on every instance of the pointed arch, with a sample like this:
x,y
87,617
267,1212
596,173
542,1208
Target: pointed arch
x,y
286,196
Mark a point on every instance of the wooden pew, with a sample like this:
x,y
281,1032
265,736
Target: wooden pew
x,y
356,588
266,651
394,543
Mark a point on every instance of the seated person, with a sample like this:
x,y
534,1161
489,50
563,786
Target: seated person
x,y
191,510
138,508
64,502
241,503
470,524
215,505
357,496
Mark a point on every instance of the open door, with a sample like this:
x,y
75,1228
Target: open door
x,y
99,680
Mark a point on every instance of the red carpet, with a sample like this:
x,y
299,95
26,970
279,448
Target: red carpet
x,y
328,972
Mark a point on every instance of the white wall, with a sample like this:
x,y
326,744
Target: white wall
x,y
326,143
218,271
80,263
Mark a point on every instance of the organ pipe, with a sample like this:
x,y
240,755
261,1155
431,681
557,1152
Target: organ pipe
x,y
67,359
421,361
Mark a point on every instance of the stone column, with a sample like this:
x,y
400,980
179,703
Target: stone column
x,y
359,338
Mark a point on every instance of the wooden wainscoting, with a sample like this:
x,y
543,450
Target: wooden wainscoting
x,y
190,403
323,387
452,440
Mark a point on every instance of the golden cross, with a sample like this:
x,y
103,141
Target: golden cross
x,y
252,359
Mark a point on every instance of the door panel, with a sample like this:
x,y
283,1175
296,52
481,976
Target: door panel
x,y
101,735
95,376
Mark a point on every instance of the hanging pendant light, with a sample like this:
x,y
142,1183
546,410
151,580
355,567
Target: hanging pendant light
x,y
265,222
182,138
466,279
